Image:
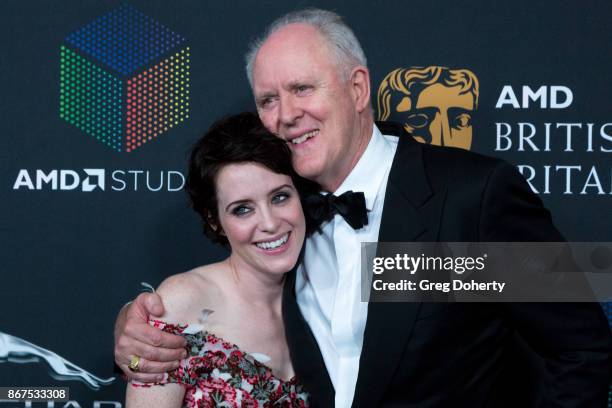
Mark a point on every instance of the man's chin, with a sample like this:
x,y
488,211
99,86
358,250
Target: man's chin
x,y
304,165
308,172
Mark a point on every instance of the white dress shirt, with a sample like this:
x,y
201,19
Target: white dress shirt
x,y
328,282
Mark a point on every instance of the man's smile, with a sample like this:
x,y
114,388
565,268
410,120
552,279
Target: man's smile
x,y
301,139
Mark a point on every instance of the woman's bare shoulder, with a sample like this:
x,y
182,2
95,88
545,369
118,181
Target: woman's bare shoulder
x,y
185,295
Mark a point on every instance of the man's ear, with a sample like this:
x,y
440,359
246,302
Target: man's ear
x,y
360,86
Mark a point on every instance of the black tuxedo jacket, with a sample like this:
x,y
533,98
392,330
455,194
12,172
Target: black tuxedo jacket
x,y
463,354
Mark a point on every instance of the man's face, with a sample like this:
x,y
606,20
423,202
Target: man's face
x,y
302,98
441,116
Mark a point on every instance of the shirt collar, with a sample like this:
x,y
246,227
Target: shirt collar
x,y
369,172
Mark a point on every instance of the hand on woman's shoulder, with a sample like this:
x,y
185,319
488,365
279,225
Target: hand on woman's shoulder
x,y
184,295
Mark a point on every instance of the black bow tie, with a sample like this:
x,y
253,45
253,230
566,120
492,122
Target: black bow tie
x,y
351,206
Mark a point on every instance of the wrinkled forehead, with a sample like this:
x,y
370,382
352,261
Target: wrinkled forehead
x,y
292,53
296,37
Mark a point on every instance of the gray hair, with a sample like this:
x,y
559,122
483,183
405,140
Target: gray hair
x,y
340,38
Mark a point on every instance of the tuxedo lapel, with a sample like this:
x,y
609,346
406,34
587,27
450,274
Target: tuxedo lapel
x,y
412,208
411,212
305,354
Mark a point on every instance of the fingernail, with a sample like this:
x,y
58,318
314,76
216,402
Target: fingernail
x,y
159,378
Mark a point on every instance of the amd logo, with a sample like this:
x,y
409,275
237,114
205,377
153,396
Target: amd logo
x,y
88,180
549,97
64,179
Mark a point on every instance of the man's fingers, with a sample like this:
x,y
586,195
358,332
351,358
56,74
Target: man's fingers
x,y
146,305
160,354
140,376
149,335
154,304
154,367
149,371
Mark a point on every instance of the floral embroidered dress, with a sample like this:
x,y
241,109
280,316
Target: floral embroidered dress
x,y
218,374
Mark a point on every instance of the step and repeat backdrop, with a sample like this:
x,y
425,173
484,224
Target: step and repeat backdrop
x,y
101,100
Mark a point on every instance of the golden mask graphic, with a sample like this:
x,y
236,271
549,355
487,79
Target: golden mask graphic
x,y
435,104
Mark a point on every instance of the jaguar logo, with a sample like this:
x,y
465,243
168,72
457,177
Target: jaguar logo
x,y
16,350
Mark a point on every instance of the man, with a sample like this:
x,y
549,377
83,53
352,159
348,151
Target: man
x,y
312,88
435,104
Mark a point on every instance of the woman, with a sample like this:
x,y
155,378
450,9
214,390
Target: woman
x,y
242,184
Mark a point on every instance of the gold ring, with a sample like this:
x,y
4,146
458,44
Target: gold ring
x,y
134,363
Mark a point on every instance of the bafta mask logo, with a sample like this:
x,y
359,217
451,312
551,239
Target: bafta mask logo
x,y
434,104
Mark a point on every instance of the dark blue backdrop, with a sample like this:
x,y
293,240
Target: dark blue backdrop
x,y
71,258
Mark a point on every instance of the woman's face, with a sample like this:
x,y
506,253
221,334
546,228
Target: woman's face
x,y
261,216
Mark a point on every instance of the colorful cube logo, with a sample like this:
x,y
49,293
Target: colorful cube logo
x,y
124,79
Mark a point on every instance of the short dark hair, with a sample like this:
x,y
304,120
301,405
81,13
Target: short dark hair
x,y
240,138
